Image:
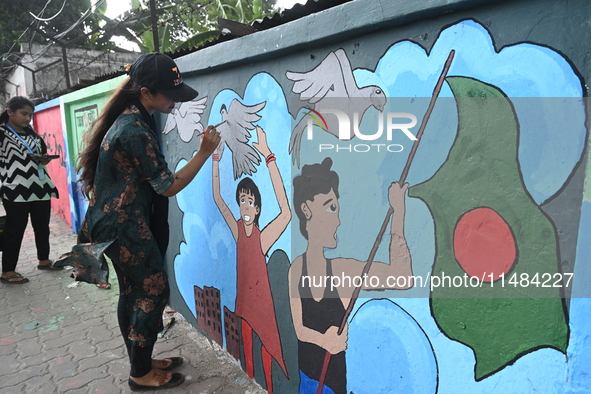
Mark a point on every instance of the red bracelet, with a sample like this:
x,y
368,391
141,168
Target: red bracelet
x,y
270,158
216,157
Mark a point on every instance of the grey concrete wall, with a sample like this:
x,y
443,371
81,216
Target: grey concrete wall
x,y
373,35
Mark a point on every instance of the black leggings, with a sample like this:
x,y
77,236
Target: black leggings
x,y
17,217
140,358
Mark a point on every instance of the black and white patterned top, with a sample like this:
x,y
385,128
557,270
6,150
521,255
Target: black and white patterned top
x,y
19,173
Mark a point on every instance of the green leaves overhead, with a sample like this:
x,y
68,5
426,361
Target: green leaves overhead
x,y
182,23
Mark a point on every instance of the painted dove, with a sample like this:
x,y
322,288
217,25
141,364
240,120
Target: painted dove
x,y
331,86
236,121
186,119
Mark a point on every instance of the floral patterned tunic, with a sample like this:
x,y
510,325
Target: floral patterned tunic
x,y
130,169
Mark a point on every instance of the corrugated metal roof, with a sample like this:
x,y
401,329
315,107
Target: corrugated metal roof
x,y
296,12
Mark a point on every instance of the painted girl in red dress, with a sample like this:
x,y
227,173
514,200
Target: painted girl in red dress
x,y
254,301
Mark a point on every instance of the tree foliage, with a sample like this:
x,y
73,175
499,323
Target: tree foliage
x,y
54,19
182,23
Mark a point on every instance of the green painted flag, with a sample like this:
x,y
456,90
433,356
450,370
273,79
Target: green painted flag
x,y
488,226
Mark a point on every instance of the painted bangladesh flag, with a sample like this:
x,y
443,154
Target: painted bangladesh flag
x,y
488,226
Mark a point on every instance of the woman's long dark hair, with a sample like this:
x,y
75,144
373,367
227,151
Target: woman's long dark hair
x,y
125,93
14,104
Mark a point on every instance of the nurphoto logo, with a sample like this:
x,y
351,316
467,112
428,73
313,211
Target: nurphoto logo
x,y
395,123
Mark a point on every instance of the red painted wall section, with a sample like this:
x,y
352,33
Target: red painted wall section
x,y
48,124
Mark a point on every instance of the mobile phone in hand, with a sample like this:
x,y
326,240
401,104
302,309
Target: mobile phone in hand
x,y
39,157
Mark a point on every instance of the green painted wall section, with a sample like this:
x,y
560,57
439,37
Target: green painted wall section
x,y
86,103
93,95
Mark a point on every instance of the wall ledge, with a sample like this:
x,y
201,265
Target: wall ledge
x,y
335,24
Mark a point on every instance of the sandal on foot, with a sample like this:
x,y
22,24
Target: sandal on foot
x,y
175,380
20,281
176,361
49,267
104,286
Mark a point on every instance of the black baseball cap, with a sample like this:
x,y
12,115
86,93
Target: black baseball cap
x,y
159,72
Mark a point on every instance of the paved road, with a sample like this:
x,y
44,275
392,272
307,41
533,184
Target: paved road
x,y
61,336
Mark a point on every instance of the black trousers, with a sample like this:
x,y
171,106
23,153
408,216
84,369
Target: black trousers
x,y
140,358
17,217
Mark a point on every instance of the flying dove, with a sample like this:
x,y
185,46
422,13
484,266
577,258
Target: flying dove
x,y
186,119
331,86
236,122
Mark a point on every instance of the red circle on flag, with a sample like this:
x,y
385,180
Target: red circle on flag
x,y
484,245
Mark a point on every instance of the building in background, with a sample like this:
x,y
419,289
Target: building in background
x,y
44,72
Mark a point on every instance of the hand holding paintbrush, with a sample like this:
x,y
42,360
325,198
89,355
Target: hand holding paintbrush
x,y
210,139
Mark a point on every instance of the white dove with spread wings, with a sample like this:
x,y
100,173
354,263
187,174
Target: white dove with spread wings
x,y
331,86
186,119
236,121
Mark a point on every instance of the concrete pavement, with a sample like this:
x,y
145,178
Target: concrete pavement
x,y
61,336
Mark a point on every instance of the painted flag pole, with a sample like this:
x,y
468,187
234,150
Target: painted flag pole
x,y
376,244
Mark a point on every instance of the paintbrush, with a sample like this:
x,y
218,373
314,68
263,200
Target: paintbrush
x,y
166,327
215,127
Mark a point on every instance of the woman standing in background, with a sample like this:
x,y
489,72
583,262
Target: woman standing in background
x,y
26,187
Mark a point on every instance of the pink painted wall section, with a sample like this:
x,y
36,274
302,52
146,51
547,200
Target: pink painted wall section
x,y
48,124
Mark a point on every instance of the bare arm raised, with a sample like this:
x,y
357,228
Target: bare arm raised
x,y
277,226
219,201
400,263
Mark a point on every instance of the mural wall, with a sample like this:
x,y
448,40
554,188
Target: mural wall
x,y
80,108
48,123
400,210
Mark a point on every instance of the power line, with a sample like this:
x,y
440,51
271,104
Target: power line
x,y
174,10
5,71
57,37
82,19
53,17
43,50
189,9
24,32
